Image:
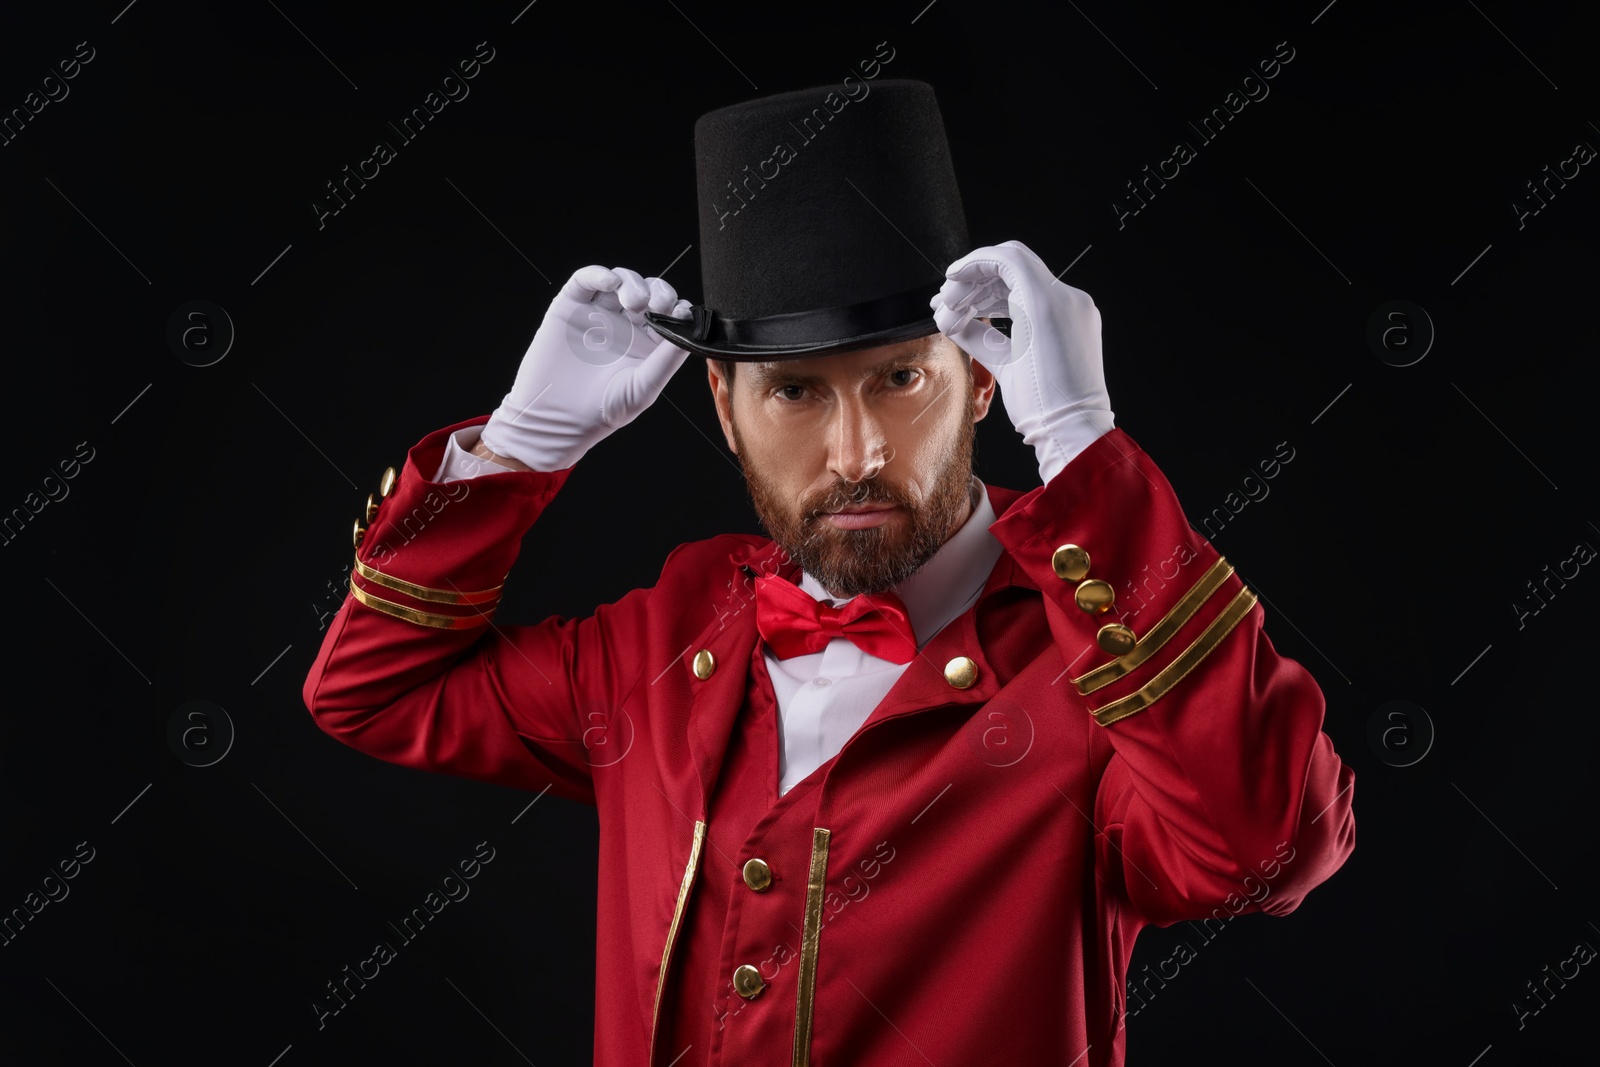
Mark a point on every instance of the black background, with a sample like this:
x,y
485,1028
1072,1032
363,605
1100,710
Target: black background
x,y
193,556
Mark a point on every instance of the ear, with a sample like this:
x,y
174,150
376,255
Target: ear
x,y
983,386
723,399
983,383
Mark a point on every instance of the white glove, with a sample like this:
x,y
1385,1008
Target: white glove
x,y
1050,370
593,366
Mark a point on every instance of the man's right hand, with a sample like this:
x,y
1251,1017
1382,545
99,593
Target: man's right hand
x,y
593,366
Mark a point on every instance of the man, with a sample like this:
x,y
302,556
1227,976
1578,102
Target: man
x,y
903,783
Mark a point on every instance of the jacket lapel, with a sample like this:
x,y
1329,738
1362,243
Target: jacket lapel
x,y
927,682
930,680
731,640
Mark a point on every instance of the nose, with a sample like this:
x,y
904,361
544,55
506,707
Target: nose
x,y
859,444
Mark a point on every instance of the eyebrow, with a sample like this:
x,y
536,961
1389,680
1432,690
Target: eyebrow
x,y
767,374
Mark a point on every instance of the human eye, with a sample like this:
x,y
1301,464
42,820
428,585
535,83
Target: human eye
x,y
910,376
789,392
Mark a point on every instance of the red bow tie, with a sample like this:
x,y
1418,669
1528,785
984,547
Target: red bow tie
x,y
793,624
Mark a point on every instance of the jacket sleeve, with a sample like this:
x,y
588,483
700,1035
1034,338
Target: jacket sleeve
x,y
414,670
1220,789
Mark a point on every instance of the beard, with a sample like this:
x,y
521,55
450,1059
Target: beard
x,y
878,558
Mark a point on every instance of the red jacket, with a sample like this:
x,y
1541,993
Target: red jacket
x,y
963,882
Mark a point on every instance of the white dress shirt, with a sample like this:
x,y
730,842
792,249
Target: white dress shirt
x,y
824,697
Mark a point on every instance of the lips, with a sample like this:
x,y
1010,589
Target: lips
x,y
861,517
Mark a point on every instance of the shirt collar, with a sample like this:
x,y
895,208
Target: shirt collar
x,y
949,582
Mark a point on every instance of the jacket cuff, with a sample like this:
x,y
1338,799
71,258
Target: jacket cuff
x,y
1139,598
436,553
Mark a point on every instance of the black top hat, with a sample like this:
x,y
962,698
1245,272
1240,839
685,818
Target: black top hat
x,y
827,219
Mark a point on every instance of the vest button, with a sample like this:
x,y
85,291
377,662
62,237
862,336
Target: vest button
x,y
747,981
704,664
757,875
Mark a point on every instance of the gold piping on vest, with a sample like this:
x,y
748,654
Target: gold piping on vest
x,y
672,930
815,884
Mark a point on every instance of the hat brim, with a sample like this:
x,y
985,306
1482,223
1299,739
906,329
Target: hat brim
x,y
884,320
679,332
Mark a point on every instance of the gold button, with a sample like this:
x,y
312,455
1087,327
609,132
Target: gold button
x,y
372,508
1070,563
357,532
704,664
1095,596
386,483
757,875
1116,638
961,672
747,981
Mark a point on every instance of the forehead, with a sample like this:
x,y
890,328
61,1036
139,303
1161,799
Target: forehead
x,y
860,364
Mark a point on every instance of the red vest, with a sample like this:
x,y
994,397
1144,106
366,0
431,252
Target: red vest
x,y
727,923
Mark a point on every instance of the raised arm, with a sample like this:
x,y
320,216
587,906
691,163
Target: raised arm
x,y
1220,789
413,669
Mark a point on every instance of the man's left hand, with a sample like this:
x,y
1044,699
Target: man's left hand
x,y
1050,370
